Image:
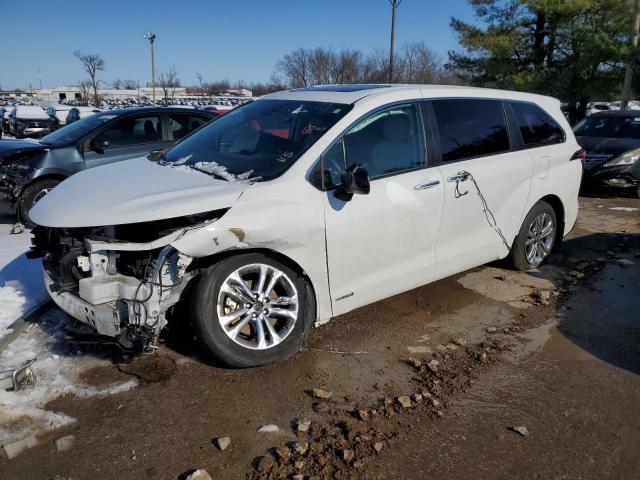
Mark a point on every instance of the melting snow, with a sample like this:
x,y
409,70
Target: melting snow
x,y
624,209
211,167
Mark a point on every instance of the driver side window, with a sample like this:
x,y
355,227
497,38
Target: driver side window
x,y
386,142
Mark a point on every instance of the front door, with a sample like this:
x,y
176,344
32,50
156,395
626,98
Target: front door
x,y
382,243
131,137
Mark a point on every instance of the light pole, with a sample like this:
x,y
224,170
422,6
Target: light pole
x,y
152,38
394,5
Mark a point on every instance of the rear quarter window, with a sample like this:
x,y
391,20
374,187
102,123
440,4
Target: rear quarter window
x,y
536,126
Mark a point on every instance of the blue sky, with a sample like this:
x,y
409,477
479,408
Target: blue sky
x,y
238,40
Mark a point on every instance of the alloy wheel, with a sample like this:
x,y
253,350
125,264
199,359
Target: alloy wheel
x,y
257,306
539,239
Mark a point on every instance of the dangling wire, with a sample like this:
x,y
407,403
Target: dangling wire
x,y
491,220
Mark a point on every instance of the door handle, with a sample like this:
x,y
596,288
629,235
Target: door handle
x,y
425,185
460,177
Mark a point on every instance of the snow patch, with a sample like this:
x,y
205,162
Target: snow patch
x,y
214,168
624,209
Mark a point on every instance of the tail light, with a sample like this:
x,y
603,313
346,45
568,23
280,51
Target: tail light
x,y
579,155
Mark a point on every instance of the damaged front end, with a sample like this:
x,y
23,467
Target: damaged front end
x,y
118,281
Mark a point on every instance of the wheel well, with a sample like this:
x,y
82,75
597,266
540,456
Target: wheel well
x,y
47,176
205,262
558,208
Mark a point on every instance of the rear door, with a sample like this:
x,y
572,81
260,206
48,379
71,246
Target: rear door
x,y
182,124
382,243
474,143
130,137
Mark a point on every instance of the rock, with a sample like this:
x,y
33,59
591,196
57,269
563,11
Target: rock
x,y
363,415
491,329
520,430
298,476
451,347
582,266
322,393
404,401
299,465
459,341
222,443
320,407
483,357
283,454
17,229
576,274
414,362
435,402
65,443
269,429
300,447
13,449
420,349
265,464
378,446
625,262
433,365
417,397
440,414
303,425
387,401
347,455
199,475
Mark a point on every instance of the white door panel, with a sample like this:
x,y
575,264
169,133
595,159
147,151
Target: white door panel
x,y
466,239
383,243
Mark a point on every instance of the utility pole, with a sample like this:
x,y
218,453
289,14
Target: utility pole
x,y
394,5
628,74
152,38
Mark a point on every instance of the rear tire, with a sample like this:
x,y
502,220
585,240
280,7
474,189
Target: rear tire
x,y
536,238
247,340
32,195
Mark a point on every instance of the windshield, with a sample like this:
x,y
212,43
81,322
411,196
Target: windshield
x,y
76,130
608,126
257,141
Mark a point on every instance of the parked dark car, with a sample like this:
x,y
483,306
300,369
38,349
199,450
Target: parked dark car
x,y
29,170
611,141
30,121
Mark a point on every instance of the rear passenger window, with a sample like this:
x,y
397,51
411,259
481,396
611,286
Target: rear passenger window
x,y
470,128
536,126
134,131
182,124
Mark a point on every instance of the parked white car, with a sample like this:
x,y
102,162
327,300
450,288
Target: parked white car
x,y
304,205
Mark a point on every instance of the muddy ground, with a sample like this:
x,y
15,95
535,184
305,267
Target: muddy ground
x,y
477,356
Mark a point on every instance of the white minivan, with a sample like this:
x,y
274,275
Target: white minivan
x,y
303,205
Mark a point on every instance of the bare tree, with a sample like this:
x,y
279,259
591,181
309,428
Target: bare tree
x,y
296,68
85,87
92,64
124,84
201,82
168,82
418,64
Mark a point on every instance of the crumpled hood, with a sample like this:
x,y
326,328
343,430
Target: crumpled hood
x,y
12,149
132,191
608,145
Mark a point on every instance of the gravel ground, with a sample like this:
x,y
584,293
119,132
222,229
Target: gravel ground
x,y
488,374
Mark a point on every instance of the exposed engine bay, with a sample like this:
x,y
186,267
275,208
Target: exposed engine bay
x,y
118,281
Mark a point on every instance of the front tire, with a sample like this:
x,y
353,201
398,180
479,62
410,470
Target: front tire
x,y
32,195
536,238
251,310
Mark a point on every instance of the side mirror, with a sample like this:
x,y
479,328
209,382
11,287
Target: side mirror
x,y
355,179
99,144
155,155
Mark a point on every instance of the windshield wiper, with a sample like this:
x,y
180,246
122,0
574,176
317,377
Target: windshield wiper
x,y
213,174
